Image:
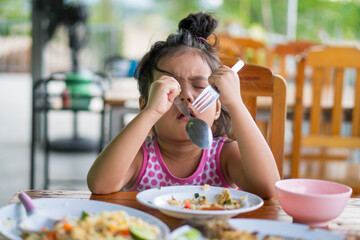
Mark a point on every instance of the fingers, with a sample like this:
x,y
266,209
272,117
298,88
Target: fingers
x,y
227,83
162,93
171,87
222,75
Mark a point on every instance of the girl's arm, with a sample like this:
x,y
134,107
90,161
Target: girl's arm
x,y
118,163
252,166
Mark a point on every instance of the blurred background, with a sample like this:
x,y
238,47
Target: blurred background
x,y
126,29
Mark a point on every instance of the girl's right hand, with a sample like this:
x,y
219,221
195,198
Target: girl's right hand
x,y
162,94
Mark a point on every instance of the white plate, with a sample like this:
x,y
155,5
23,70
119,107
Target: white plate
x,y
12,214
158,197
285,230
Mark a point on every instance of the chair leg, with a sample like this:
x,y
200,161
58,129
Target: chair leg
x,y
47,152
46,168
75,125
33,140
102,130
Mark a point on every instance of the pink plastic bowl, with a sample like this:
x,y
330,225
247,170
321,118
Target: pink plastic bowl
x,y
310,201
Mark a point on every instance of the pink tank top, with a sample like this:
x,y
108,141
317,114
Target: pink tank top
x,y
154,172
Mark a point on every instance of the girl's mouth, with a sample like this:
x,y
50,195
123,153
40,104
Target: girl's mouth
x,y
182,116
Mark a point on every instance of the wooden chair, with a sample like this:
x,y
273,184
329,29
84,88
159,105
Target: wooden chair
x,y
279,60
227,46
258,81
280,53
254,51
322,61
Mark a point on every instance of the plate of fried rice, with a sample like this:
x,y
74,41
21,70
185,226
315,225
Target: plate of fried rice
x,y
252,229
199,201
84,219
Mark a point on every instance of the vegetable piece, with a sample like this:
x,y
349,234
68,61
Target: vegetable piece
x,y
67,226
51,236
197,195
139,232
125,232
187,204
84,215
193,234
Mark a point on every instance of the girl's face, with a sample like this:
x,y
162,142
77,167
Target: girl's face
x,y
192,72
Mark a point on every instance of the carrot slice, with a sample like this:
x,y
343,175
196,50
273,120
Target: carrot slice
x,y
67,227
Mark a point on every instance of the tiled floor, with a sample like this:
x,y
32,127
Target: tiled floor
x,y
15,120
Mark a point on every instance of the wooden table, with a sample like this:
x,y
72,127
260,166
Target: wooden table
x,y
348,221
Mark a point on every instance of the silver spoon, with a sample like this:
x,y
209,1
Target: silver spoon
x,y
198,131
36,221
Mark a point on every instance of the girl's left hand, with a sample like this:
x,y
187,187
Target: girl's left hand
x,y
228,84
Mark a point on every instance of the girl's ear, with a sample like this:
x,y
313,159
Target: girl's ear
x,y
142,103
218,109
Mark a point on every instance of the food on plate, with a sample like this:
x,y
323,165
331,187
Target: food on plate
x,y
220,229
187,233
115,225
205,187
201,202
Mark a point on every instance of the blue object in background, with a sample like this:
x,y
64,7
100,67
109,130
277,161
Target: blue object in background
x,y
120,67
133,67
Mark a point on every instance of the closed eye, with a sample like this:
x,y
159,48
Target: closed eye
x,y
200,84
199,87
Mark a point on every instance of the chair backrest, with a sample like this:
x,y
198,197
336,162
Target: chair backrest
x,y
258,81
340,98
227,46
254,51
281,51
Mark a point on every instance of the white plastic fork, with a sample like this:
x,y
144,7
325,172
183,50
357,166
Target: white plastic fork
x,y
209,94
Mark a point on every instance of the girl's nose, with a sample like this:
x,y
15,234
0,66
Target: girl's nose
x,y
186,95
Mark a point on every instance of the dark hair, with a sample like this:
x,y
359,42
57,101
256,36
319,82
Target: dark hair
x,y
193,32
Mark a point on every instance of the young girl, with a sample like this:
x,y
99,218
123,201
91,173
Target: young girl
x,y
183,66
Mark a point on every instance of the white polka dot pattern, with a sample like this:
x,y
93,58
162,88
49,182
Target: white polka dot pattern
x,y
157,174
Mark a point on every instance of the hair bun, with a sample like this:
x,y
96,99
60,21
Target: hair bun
x,y
199,24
